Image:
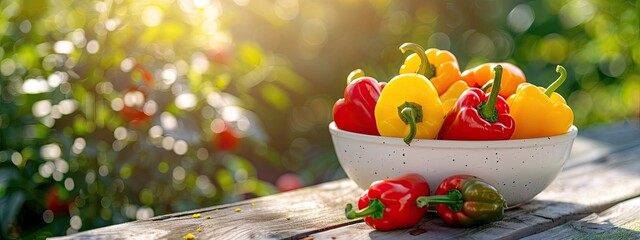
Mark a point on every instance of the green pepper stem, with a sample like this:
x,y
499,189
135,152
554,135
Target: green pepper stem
x,y
411,114
425,68
407,112
375,210
554,86
487,109
453,200
355,74
486,86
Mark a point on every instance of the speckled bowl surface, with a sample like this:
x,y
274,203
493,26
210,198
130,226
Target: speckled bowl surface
x,y
519,169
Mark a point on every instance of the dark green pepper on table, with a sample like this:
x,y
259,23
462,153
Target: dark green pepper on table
x,y
465,200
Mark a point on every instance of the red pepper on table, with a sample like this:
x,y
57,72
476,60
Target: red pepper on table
x,y
479,116
355,112
465,200
391,204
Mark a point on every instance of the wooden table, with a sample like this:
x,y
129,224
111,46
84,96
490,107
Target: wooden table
x,y
597,195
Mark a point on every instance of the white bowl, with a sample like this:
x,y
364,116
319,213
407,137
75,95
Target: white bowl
x,y
519,169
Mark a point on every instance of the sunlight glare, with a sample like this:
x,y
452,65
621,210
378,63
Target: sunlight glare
x,y
152,16
35,86
50,151
186,101
168,121
201,3
63,47
41,108
134,99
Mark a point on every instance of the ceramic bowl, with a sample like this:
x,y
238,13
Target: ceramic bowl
x,y
519,169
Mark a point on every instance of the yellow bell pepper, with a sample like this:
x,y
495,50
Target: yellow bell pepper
x,y
409,106
442,68
538,112
450,97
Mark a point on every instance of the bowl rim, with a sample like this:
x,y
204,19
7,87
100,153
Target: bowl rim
x,y
511,143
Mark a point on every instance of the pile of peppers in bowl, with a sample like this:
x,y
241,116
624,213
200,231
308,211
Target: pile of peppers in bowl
x,y
431,98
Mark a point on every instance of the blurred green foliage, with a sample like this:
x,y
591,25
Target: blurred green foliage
x,y
110,110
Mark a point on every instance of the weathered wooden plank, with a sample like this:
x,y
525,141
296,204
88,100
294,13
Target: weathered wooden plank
x,y
278,216
614,133
602,141
603,175
574,194
622,221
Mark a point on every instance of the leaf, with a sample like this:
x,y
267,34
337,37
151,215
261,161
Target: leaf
x,y
251,54
291,80
225,179
276,97
10,201
235,163
222,81
10,205
263,188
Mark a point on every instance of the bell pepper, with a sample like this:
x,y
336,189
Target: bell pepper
x,y
391,204
465,200
532,107
480,75
409,106
479,116
450,97
355,112
442,68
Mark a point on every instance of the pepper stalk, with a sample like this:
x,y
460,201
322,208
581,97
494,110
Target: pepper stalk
x,y
453,200
375,210
355,74
410,112
425,68
487,109
554,86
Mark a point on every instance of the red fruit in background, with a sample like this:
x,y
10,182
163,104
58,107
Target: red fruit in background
x,y
132,110
136,96
289,181
220,55
225,138
57,200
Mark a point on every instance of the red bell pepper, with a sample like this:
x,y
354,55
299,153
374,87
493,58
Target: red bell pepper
x,y
391,204
464,200
479,116
355,112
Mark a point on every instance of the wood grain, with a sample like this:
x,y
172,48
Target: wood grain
x,y
622,221
602,176
285,215
574,194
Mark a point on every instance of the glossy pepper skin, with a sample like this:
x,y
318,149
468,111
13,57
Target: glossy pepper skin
x,y
442,68
450,97
409,106
479,116
483,73
464,200
355,112
391,204
532,107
